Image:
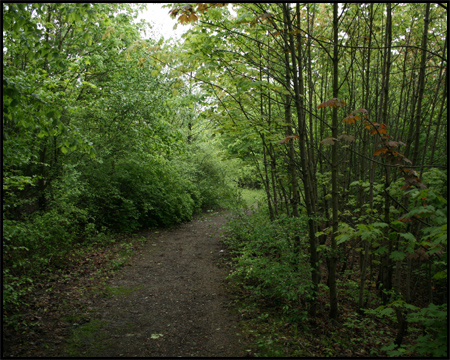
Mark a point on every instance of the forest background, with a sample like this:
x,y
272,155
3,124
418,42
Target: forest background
x,y
335,112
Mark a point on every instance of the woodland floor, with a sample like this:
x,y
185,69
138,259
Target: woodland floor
x,y
167,300
164,293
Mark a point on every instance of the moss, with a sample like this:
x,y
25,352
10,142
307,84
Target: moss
x,y
87,339
120,290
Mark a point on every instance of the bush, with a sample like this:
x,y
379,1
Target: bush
x,y
210,183
267,262
134,196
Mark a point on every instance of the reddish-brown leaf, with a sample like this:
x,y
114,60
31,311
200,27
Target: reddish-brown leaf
x,y
334,102
288,138
406,160
183,19
346,137
396,153
380,151
368,125
360,110
329,140
391,143
202,7
351,119
174,12
379,130
193,18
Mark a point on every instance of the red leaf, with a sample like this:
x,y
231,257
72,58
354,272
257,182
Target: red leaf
x,y
368,125
351,119
396,153
334,102
287,138
379,151
378,129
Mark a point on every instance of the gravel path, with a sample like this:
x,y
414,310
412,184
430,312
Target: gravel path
x,y
170,302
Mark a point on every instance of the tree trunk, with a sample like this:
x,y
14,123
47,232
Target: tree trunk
x,y
423,60
307,181
334,175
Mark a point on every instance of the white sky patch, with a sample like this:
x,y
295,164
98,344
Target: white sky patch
x,y
161,22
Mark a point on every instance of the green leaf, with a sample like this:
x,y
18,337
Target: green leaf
x,y
382,250
343,238
387,311
440,275
408,236
397,255
380,224
42,133
411,307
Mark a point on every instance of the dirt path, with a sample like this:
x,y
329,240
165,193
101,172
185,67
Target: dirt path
x,y
169,302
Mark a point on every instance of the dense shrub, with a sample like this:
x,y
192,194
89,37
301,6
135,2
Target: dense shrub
x,y
210,181
133,196
267,261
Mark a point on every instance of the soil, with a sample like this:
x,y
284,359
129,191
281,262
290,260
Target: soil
x,y
169,302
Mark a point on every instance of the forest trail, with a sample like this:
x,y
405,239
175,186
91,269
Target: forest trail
x,y
169,302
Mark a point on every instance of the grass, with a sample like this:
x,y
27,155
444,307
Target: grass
x,y
252,196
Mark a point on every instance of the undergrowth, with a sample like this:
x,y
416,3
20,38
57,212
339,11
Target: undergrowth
x,y
271,283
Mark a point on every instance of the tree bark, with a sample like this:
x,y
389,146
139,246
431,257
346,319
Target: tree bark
x,y
307,181
334,175
421,84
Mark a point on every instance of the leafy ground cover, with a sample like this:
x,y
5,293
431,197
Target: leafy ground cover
x,y
62,299
271,300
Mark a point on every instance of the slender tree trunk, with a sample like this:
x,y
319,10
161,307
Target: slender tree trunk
x,y
363,275
288,117
401,320
444,100
386,263
421,84
266,181
307,181
334,175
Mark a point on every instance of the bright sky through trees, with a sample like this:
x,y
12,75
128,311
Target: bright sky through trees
x,y
161,21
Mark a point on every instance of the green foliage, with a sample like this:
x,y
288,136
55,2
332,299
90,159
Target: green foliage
x,y
433,320
210,183
268,262
134,196
94,137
